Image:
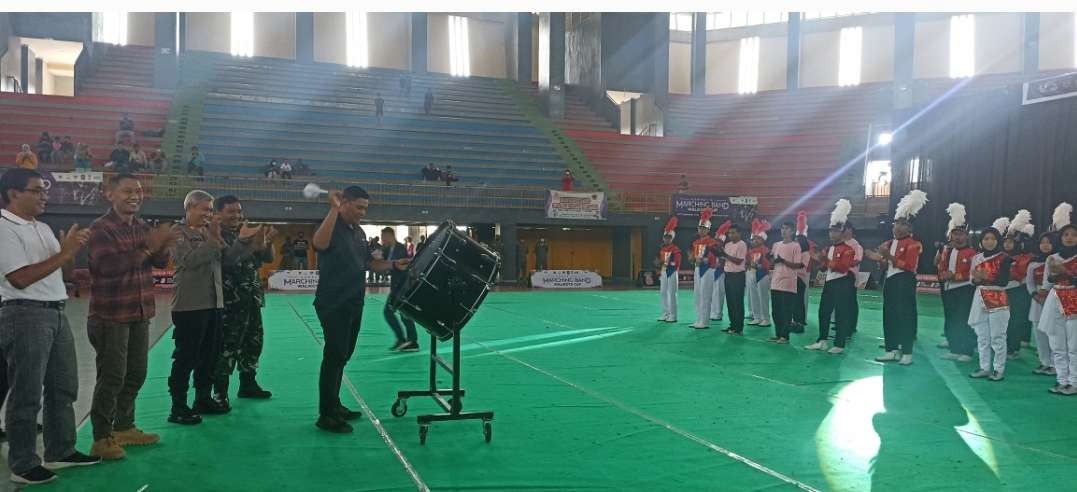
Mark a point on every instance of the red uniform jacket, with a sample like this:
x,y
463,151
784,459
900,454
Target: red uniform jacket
x,y
908,252
1019,267
994,299
758,257
841,261
1065,287
706,247
670,257
963,266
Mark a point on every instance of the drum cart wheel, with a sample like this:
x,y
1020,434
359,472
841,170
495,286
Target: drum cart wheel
x,y
400,407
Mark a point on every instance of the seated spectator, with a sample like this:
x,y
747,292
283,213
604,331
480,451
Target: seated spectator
x,y
379,108
449,176
272,170
83,157
566,180
126,134
126,123
196,165
26,159
67,153
57,156
286,170
431,173
159,162
301,168
137,161
119,159
428,101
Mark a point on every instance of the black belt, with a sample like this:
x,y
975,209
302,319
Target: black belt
x,y
57,305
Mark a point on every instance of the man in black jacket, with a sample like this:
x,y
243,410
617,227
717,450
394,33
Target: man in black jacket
x,y
392,251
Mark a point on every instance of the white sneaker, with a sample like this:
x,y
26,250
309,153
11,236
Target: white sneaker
x,y
979,373
663,318
964,358
905,360
949,356
671,320
836,350
889,357
820,345
700,327
764,324
944,344
752,322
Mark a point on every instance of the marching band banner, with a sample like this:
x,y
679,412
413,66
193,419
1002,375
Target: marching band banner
x,y
739,208
566,279
1049,89
294,280
575,205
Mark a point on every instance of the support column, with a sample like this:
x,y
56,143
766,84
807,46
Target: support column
x,y
699,54
304,37
1032,43
622,253
552,63
182,32
165,60
419,35
904,45
524,27
792,52
660,84
24,68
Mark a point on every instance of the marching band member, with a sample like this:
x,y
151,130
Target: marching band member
x,y
669,263
990,306
1059,316
954,266
759,274
839,289
900,257
1017,246
1038,288
704,258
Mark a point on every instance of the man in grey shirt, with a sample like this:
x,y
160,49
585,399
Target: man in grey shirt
x,y
197,301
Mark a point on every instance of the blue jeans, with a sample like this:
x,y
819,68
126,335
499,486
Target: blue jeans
x,y
394,322
41,361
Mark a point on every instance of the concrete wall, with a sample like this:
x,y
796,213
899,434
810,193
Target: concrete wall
x,y
486,40
274,34
10,64
1056,41
330,37
5,32
140,28
931,49
878,54
999,39
55,25
583,52
680,67
819,59
389,38
772,63
209,31
437,43
722,60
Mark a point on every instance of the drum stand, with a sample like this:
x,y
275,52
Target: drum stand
x,y
453,405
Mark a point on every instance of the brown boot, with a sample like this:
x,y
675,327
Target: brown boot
x,y
107,449
135,437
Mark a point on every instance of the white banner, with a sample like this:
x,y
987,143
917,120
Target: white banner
x,y
566,279
294,280
577,206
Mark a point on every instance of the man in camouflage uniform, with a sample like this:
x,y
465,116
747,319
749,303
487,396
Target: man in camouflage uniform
x,y
242,333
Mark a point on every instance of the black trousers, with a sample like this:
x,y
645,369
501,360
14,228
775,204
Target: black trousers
x,y
783,304
198,346
854,314
394,320
800,311
1019,328
899,312
734,299
340,330
956,304
839,297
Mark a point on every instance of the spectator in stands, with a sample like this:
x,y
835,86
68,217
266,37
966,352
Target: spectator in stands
x,y
286,170
428,101
542,254
67,150
26,159
159,162
682,187
137,162
431,173
566,180
44,148
379,108
300,252
196,165
410,246
57,156
449,176
272,169
119,159
126,134
83,157
301,168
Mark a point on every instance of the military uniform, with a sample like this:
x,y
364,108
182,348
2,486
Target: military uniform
x,y
242,335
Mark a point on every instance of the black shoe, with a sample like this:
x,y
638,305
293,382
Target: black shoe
x,y
343,413
184,416
209,406
334,425
398,346
249,388
409,347
33,476
75,459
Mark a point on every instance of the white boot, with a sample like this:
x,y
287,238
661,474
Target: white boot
x,y
892,356
906,360
820,345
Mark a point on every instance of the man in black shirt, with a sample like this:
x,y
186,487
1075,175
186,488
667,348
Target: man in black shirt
x,y
343,258
379,107
392,250
299,252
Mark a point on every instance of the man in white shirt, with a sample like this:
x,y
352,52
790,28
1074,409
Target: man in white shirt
x,y
34,332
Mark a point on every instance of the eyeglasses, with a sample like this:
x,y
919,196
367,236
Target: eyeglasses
x,y
36,191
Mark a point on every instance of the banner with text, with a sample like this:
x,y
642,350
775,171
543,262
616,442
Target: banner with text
x,y
739,208
1049,89
294,280
81,188
575,206
565,279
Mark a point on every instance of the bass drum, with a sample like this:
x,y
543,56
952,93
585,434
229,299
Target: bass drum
x,y
446,282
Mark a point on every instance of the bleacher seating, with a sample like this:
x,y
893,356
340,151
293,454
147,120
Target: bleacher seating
x,y
121,85
261,109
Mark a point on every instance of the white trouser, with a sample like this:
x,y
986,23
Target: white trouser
x,y
1062,334
718,297
704,290
761,299
1043,345
990,328
749,287
668,291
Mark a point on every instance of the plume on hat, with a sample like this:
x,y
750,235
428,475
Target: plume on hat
x,y
705,217
760,228
1021,224
911,204
671,227
1061,217
722,229
957,216
841,212
1001,224
802,223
